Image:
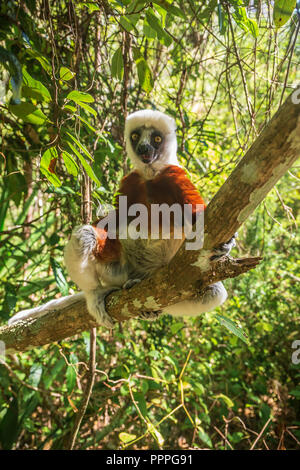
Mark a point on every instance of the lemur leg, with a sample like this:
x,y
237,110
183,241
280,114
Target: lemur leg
x,y
95,300
214,296
94,278
79,259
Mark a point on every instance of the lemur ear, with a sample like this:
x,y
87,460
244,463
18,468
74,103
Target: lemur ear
x,y
150,118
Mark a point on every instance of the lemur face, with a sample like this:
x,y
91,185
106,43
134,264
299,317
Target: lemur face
x,y
151,144
147,143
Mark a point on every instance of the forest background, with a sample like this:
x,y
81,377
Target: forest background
x,y
70,73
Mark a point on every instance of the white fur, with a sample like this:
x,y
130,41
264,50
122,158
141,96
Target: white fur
x,y
215,295
52,305
164,124
96,279
146,256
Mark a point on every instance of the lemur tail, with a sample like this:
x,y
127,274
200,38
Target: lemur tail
x,y
56,304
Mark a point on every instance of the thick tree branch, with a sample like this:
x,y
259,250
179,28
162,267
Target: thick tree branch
x,y
271,155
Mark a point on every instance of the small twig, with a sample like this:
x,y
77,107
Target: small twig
x,y
292,435
260,434
223,437
87,391
24,384
248,101
289,62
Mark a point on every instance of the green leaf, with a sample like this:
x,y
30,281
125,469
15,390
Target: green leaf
x,y
28,112
134,19
53,372
264,326
136,53
88,108
10,300
176,327
228,402
126,23
252,27
30,405
204,437
70,163
34,88
133,6
247,24
81,146
29,289
162,13
9,60
86,123
71,378
71,108
155,24
155,433
145,75
283,10
46,166
231,326
15,181
41,59
80,96
85,164
9,425
176,12
140,399
223,20
117,65
148,31
59,277
172,361
126,437
35,375
170,8
66,74
92,7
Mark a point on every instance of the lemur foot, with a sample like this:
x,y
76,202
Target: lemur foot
x,y
150,315
86,239
96,306
130,283
215,294
224,249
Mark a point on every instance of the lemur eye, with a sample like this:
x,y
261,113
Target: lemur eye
x,y
157,139
134,136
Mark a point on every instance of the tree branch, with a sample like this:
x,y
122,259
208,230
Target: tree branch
x,y
271,155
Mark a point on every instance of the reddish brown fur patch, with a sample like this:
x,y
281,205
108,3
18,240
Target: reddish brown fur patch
x,y
108,250
171,186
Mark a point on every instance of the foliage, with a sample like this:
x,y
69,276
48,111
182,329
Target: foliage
x,y
70,72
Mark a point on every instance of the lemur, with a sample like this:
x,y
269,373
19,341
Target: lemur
x,y
99,264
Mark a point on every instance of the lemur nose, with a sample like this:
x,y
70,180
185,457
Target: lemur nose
x,y
144,149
